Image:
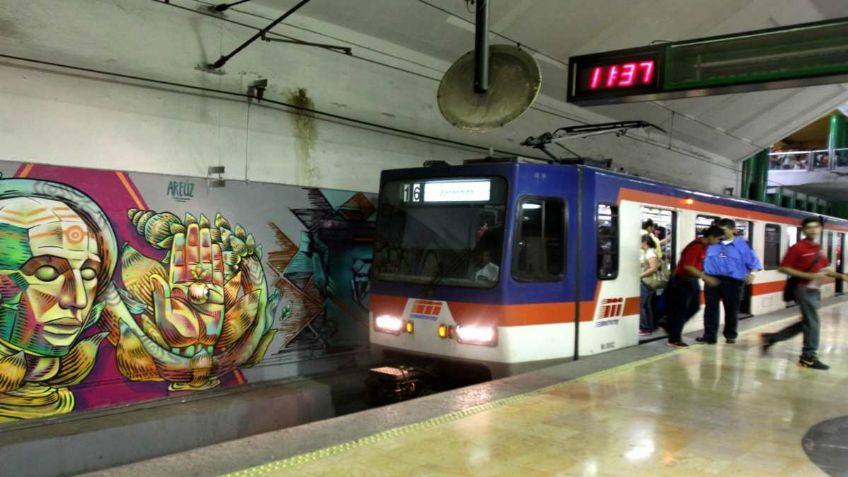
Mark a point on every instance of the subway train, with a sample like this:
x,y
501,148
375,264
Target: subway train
x,y
497,266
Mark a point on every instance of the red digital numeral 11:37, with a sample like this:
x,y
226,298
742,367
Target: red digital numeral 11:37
x,y
622,76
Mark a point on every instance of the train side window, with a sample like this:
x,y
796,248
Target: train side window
x,y
607,222
771,247
745,229
539,252
703,222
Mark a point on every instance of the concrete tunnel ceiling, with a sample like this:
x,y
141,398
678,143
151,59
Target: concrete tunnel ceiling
x,y
409,44
726,126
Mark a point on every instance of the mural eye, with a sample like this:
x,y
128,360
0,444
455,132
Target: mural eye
x,y
88,274
46,273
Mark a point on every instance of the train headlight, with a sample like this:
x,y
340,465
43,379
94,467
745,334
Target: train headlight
x,y
388,324
476,334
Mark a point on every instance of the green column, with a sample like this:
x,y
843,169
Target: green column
x,y
840,209
789,199
755,176
837,137
745,189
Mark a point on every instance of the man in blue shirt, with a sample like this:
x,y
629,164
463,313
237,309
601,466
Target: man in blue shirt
x,y
732,261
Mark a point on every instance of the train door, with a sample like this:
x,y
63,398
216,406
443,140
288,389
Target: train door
x,y
840,261
745,229
665,227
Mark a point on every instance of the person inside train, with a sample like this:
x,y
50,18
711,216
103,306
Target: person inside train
x,y
733,263
648,229
486,259
649,267
683,294
807,263
486,269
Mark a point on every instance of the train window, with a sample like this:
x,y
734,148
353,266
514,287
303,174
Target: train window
x,y
441,232
771,247
539,252
607,222
703,222
745,229
829,246
792,235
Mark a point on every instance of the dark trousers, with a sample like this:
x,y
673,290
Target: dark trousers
x,y
646,315
728,291
808,300
683,297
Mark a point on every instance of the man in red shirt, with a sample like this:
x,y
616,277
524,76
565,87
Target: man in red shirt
x,y
805,261
684,290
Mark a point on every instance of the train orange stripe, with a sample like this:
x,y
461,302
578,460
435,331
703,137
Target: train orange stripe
x,y
500,315
769,287
387,304
632,306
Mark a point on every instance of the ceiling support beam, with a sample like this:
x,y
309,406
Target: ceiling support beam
x,y
225,58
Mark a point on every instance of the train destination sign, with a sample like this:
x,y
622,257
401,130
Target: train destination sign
x,y
785,57
470,190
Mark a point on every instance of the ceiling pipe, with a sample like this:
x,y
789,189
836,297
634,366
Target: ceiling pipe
x,y
481,48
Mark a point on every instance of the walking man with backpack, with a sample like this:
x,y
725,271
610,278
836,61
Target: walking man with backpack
x,y
807,264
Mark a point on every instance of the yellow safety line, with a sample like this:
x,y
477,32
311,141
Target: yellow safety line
x,y
457,415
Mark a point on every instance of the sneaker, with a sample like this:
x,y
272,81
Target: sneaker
x,y
677,344
705,340
765,343
730,341
812,363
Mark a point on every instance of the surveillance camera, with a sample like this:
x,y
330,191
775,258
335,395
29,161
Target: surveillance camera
x,y
257,89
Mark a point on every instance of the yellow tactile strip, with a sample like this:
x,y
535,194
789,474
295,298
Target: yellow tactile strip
x,y
456,415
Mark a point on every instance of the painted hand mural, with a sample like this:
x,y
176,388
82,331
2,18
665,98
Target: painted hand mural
x,y
185,304
57,257
204,315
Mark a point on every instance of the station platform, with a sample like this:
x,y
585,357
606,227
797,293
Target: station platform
x,y
648,410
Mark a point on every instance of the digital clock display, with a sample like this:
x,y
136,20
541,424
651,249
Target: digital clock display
x,y
625,75
596,78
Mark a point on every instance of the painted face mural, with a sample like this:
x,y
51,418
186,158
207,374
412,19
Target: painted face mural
x,y
105,302
56,256
199,313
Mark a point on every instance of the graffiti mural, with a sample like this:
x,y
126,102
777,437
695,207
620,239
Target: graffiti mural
x,y
107,299
200,312
336,242
57,257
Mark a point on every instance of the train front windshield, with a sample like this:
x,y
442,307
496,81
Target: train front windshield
x,y
446,232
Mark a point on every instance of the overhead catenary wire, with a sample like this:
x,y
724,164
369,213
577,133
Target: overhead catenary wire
x,y
266,101
536,107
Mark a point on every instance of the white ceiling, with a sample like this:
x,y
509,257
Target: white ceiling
x,y
730,126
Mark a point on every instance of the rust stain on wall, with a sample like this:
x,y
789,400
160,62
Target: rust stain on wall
x,y
306,136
